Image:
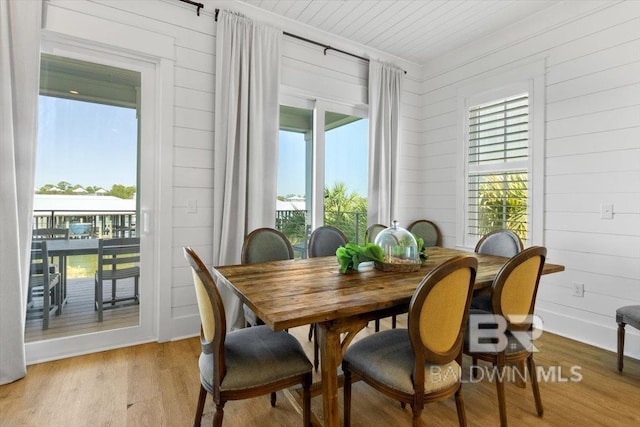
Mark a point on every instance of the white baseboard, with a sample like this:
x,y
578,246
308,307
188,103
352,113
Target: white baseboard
x,y
597,335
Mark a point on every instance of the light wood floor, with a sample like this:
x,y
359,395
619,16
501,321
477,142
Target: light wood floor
x,y
79,317
157,384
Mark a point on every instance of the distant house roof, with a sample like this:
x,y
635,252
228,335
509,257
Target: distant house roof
x,y
70,204
290,205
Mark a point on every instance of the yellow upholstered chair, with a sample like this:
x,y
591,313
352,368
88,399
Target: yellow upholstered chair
x,y
513,299
420,364
244,363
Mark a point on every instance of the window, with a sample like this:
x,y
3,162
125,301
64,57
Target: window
x,y
501,157
322,170
498,152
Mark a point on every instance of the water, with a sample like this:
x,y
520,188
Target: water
x,y
81,266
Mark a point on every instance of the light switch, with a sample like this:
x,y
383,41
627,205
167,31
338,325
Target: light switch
x,y
606,211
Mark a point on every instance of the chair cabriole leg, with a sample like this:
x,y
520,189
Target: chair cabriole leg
x,y
534,384
200,408
462,417
621,326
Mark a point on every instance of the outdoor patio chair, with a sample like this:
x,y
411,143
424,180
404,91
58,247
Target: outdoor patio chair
x,y
118,261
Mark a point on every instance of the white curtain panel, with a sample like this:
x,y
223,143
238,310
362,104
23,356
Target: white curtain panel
x,y
246,138
385,89
20,23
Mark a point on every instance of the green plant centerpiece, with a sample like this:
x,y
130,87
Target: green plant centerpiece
x,y
395,249
351,255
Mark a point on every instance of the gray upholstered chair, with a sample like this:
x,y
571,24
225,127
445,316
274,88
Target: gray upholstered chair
x,y
630,315
244,363
44,285
324,241
513,298
420,364
118,260
428,231
372,232
504,243
263,245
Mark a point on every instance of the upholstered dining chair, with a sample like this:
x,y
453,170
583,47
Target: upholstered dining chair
x,y
263,245
428,231
44,283
118,260
247,362
504,243
421,364
372,232
513,299
629,314
324,241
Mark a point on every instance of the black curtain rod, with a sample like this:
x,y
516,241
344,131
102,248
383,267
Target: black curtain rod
x,y
325,46
196,4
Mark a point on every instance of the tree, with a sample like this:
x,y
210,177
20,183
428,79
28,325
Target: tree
x,y
345,211
503,204
118,190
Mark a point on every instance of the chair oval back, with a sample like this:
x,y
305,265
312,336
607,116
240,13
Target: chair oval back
x,y
428,231
372,232
516,285
266,244
439,310
504,243
212,315
325,240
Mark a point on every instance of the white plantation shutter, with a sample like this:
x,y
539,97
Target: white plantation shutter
x,y
497,166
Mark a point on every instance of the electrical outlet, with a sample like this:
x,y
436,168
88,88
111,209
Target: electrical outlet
x,y
606,211
578,290
192,206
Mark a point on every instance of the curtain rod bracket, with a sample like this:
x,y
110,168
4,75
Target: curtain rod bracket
x,y
196,4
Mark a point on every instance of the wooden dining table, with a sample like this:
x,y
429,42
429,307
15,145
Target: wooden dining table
x,y
286,294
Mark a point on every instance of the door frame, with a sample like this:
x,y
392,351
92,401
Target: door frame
x,y
154,192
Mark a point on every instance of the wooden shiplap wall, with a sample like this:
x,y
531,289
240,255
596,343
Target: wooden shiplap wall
x,y
592,56
305,68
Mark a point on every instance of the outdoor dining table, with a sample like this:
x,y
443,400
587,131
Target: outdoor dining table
x,y
286,294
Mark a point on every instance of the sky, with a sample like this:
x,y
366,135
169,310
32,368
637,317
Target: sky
x,y
85,143
346,154
91,144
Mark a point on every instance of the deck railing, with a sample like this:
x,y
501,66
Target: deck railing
x,y
295,225
88,224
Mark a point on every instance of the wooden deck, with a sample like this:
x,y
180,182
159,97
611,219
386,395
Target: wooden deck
x,y
79,317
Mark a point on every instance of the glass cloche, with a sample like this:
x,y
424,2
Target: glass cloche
x,y
400,249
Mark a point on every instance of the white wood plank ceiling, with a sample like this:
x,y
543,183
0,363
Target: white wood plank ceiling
x,y
416,31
